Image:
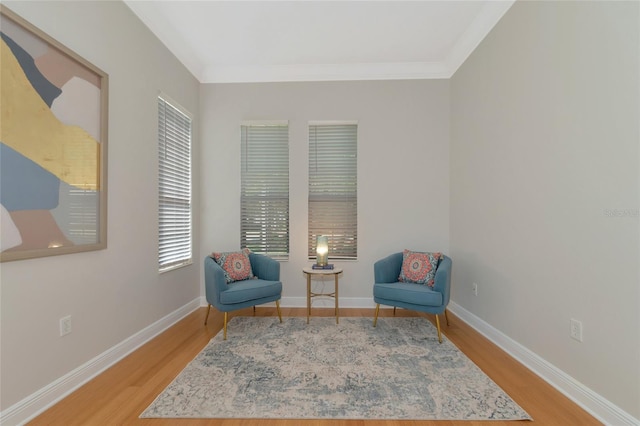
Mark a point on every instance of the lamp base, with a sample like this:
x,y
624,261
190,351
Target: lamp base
x,y
322,259
325,266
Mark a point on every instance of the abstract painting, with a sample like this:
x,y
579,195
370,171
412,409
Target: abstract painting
x,y
53,146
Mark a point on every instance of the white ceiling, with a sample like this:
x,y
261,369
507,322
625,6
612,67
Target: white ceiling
x,y
256,41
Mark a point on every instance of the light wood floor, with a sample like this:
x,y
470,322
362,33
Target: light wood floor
x,y
120,394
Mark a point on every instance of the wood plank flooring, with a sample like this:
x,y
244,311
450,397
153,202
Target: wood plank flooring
x,y
121,393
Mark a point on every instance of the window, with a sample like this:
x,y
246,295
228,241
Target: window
x,y
174,195
264,198
333,188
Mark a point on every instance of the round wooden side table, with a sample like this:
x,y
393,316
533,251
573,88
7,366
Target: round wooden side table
x,y
309,271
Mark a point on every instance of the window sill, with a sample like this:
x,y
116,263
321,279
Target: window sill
x,y
176,266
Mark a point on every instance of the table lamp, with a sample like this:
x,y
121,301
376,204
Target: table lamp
x,y
322,250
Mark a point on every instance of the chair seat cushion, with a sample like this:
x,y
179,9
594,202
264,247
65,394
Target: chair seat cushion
x,y
416,294
244,291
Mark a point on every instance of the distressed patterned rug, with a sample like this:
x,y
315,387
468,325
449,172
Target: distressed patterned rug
x,y
321,370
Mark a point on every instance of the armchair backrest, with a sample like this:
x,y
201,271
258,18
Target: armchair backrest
x,y
387,270
443,279
264,267
214,281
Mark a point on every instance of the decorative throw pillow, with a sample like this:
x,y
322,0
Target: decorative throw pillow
x,y
235,264
419,267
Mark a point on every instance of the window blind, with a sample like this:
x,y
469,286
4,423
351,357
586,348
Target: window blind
x,y
264,199
174,151
333,188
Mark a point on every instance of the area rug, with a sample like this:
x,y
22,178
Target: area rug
x,y
323,370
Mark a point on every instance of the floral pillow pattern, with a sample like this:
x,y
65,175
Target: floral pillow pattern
x,y
235,264
419,267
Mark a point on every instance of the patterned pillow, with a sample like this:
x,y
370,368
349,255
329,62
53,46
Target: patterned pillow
x,y
419,267
235,264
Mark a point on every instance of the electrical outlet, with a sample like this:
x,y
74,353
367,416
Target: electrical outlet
x,y
576,330
475,288
65,325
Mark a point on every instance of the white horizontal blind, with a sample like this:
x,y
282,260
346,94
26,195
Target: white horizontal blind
x,y
174,150
264,200
333,188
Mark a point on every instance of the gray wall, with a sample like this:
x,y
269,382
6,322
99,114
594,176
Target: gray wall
x,y
114,293
403,168
544,148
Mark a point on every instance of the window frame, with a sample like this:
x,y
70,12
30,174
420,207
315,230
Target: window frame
x,y
281,196
312,232
182,197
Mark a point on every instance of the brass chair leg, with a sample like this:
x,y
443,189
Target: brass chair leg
x,y
375,318
394,311
446,316
207,317
438,326
225,325
278,309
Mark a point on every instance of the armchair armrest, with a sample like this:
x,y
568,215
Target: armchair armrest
x,y
264,267
442,282
387,270
214,281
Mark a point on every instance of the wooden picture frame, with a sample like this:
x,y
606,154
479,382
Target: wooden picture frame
x,y
53,146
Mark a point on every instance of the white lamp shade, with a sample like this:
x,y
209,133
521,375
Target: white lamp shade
x,y
322,250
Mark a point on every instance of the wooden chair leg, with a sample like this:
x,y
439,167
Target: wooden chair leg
x,y
438,326
207,317
375,318
446,317
225,325
394,311
278,309
254,310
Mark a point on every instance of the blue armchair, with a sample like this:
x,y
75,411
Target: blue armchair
x,y
387,290
227,297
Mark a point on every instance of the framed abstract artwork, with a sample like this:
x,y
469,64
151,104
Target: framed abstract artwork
x,y
53,146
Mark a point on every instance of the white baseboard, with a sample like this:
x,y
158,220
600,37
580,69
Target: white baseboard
x,y
590,401
31,406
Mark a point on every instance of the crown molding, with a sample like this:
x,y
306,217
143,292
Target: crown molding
x,y
490,14
484,22
160,26
324,72
488,17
